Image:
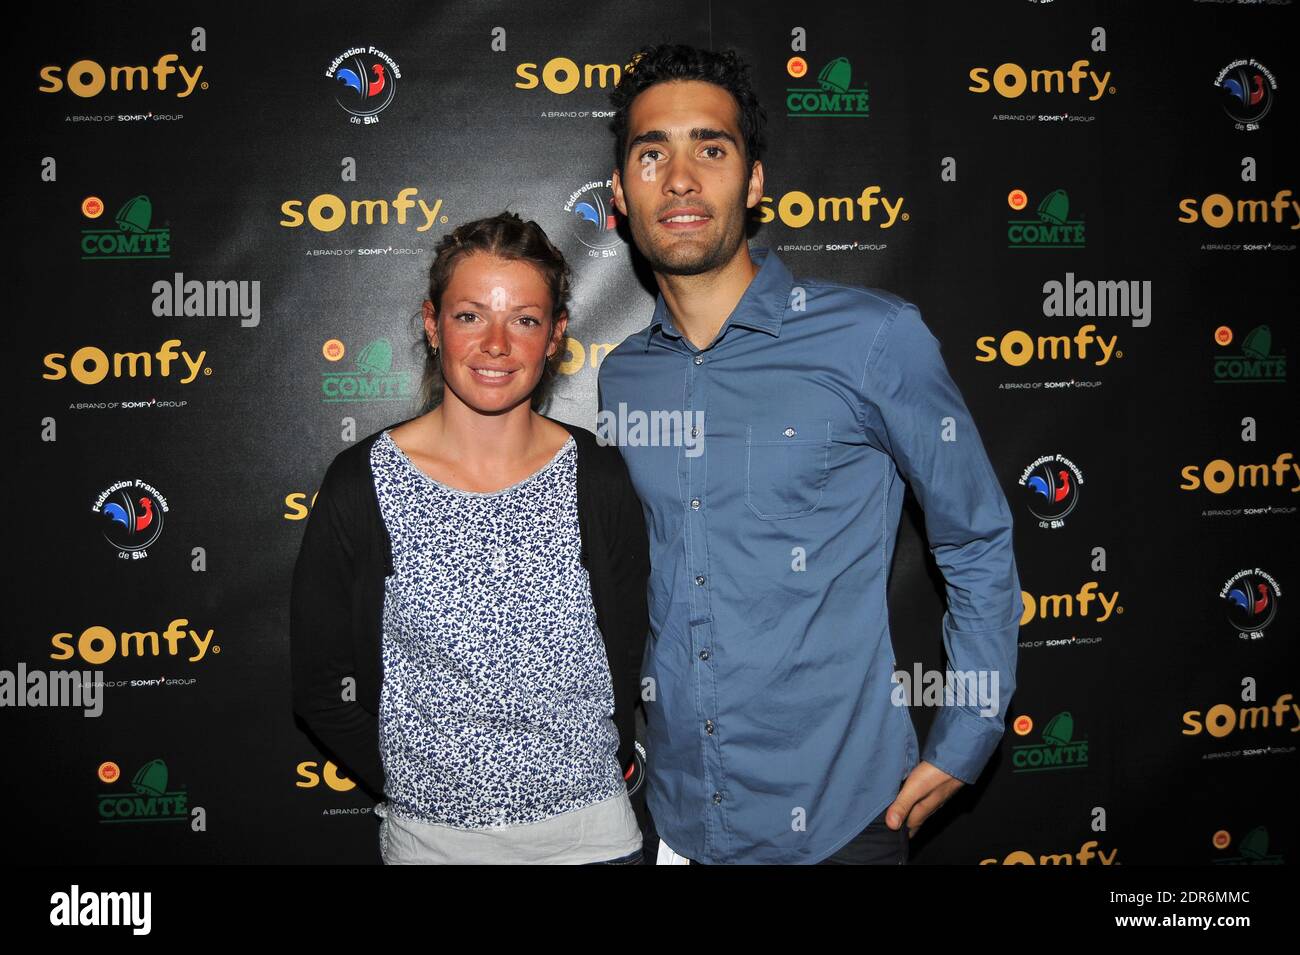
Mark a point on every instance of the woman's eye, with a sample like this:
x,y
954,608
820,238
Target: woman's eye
x,y
469,316
529,319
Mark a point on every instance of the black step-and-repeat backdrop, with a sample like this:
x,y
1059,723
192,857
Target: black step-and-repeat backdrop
x,y
221,221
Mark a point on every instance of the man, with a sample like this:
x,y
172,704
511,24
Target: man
x,y
772,732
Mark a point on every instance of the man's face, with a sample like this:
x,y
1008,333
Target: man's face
x,y
687,190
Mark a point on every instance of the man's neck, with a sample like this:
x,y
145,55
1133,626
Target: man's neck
x,y
701,304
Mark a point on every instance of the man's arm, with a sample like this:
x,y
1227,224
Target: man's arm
x,y
916,412
320,641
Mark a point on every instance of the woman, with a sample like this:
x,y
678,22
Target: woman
x,y
503,557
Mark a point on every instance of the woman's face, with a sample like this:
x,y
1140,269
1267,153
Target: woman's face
x,y
495,332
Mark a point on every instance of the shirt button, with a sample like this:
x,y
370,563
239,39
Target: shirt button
x,y
699,581
694,432
699,359
695,503
717,798
704,654
789,432
708,727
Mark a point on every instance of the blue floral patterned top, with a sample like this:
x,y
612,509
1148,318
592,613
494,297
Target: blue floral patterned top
x,y
496,708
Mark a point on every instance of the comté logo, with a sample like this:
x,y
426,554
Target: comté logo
x,y
1252,850
1058,750
109,772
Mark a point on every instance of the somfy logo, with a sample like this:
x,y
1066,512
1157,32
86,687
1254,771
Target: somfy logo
x,y
98,645
562,75
797,209
327,212
1219,211
1010,80
90,364
87,78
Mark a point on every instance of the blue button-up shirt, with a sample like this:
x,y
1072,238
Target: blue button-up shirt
x,y
770,468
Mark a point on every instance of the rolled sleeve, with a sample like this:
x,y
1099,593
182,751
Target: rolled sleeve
x,y
915,412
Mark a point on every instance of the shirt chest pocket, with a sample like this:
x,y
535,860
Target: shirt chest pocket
x,y
786,465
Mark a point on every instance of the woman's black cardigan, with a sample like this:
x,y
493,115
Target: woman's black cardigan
x,y
336,607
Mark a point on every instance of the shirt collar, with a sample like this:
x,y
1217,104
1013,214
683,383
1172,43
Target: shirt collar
x,y
761,307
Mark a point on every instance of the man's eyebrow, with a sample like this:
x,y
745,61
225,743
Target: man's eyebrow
x,y
697,134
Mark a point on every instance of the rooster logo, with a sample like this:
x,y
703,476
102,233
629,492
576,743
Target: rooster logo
x,y
1053,486
132,516
593,207
133,523
1053,494
351,79
1252,599
365,83
1247,92
1256,93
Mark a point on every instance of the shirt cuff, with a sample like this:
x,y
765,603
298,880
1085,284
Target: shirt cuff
x,y
961,742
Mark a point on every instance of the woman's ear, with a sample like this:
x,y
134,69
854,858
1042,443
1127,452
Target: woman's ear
x,y
430,324
557,333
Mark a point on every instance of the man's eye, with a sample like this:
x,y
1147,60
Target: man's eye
x,y
721,152
645,156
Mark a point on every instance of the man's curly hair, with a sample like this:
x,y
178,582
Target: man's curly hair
x,y
674,61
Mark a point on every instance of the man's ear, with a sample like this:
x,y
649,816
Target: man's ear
x,y
617,187
755,194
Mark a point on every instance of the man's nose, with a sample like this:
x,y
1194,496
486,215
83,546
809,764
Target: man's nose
x,y
679,177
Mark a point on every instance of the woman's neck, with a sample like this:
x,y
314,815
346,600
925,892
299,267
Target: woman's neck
x,y
489,443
